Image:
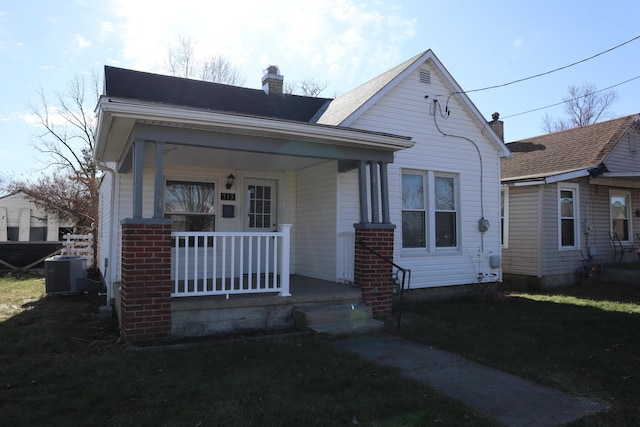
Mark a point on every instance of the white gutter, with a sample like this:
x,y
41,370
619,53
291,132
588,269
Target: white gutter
x,y
523,182
113,108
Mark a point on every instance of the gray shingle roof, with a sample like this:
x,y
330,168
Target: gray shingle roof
x,y
346,104
137,85
565,151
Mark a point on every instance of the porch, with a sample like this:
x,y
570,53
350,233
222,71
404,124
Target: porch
x,y
217,314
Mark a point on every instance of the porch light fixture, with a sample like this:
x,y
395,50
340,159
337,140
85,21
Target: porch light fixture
x,y
230,180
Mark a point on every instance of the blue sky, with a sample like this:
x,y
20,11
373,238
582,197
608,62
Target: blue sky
x,y
45,44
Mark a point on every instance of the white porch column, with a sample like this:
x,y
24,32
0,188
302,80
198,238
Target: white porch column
x,y
285,259
53,226
24,225
3,225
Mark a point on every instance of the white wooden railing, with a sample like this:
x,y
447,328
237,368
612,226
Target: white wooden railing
x,y
79,245
212,263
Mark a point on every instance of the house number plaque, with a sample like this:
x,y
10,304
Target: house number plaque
x,y
227,196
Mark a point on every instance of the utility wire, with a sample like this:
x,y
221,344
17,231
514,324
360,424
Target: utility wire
x,y
549,72
569,100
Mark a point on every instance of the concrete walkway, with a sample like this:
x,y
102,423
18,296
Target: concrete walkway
x,y
504,397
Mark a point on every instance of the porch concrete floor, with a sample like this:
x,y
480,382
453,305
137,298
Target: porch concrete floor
x,y
304,290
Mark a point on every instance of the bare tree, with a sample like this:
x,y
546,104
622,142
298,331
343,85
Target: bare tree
x,y
67,141
583,105
307,87
218,69
182,62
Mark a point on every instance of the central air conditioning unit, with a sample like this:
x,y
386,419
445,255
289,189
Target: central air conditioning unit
x,y
65,275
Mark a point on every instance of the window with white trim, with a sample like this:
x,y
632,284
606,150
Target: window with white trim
x,y
619,211
191,205
568,217
504,216
429,210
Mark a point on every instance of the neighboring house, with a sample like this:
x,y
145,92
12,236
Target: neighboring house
x,y
565,195
21,220
28,233
216,190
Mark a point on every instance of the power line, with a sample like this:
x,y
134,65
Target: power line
x,y
551,71
569,100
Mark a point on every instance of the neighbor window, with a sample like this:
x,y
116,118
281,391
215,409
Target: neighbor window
x,y
504,217
619,208
568,216
191,205
429,210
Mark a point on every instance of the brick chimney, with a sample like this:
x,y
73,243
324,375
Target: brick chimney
x,y
272,81
497,125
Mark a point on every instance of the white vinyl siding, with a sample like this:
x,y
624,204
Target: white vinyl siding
x,y
625,157
404,111
315,237
523,254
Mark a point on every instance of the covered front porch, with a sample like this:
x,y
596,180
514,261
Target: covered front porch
x,y
219,209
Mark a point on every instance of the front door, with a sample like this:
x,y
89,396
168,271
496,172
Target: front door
x,y
261,203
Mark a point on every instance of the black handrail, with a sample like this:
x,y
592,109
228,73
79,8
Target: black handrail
x,y
405,272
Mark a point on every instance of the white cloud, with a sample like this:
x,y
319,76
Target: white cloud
x,y
81,41
330,40
517,43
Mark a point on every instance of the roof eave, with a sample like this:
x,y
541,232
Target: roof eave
x,y
110,109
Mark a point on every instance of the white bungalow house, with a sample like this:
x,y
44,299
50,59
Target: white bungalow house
x,y
571,203
216,194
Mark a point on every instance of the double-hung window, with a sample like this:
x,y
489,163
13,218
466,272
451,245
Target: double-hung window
x,y
504,217
191,205
568,217
429,210
619,208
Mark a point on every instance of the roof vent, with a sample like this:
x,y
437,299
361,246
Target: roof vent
x,y
425,76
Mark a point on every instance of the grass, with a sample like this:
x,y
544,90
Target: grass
x,y
60,365
583,340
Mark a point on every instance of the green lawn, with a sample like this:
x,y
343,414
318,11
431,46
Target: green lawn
x,y
60,365
584,340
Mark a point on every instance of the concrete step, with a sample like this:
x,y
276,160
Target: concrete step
x,y
330,313
337,319
335,329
